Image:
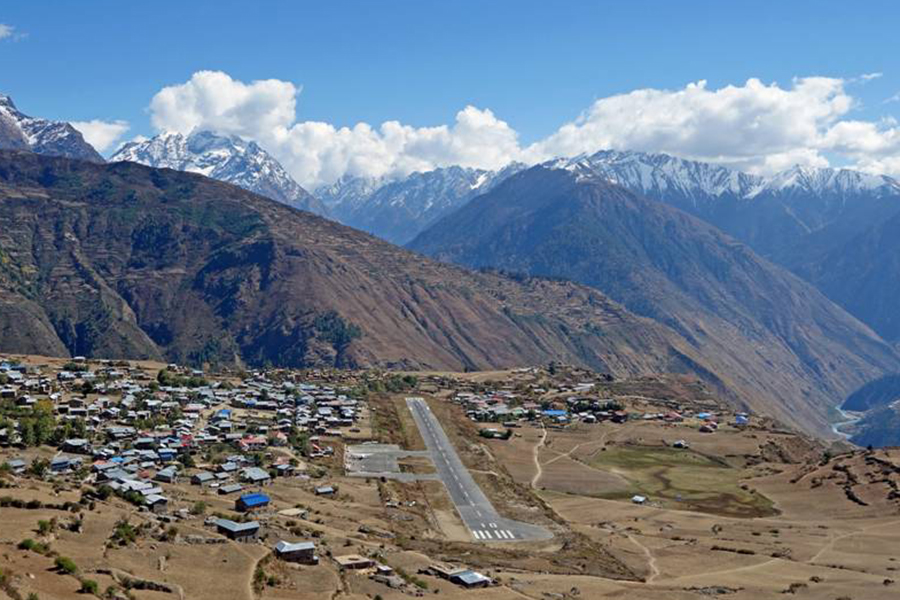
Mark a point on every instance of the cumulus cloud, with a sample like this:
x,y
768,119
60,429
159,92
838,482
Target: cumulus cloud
x,y
102,135
316,152
755,126
759,127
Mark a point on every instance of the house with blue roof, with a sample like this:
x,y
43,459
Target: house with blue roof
x,y
249,502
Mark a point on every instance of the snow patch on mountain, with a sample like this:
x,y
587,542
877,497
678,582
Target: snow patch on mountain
x,y
398,210
822,181
227,158
662,175
19,131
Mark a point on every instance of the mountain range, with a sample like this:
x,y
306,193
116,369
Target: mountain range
x,y
836,228
398,210
677,265
18,131
123,260
227,158
770,331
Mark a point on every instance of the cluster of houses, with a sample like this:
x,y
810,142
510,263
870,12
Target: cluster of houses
x,y
505,407
138,434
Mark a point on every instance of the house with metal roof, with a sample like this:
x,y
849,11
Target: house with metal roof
x,y
470,579
202,478
241,532
230,489
256,476
249,502
298,552
167,475
156,502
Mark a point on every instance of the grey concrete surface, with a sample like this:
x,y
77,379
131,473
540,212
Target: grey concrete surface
x,y
476,511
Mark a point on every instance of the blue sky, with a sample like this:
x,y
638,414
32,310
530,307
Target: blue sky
x,y
534,65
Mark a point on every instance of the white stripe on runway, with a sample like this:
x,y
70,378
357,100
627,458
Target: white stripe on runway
x,y
477,535
487,535
509,533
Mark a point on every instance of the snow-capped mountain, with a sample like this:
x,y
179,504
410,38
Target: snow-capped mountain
x,y
18,131
845,183
224,157
397,210
832,227
349,192
658,175
677,180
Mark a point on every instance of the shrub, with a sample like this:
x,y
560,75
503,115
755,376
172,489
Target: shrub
x,y
259,580
170,534
89,586
27,544
33,546
124,533
65,565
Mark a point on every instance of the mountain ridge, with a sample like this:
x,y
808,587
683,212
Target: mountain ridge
x,y
19,131
665,264
227,158
398,209
123,260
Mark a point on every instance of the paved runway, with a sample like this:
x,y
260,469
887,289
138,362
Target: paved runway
x,y
474,508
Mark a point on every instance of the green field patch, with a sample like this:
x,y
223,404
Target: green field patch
x,y
681,479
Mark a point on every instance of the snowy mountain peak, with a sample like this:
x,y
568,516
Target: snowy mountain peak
x,y
18,131
801,179
680,180
227,158
658,174
398,209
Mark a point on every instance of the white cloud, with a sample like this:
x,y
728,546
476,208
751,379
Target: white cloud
x,y
755,126
9,32
871,76
213,100
102,135
316,152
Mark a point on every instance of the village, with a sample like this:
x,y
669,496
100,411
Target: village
x,y
267,469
